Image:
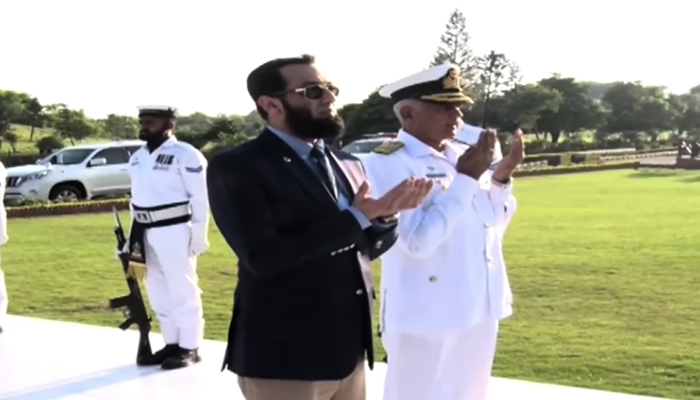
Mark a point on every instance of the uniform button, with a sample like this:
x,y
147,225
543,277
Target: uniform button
x,y
378,244
486,225
334,253
359,292
432,278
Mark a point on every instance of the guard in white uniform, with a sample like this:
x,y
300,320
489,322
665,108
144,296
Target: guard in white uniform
x,y
170,212
3,240
444,283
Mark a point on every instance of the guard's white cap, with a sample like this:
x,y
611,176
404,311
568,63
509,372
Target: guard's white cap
x,y
158,110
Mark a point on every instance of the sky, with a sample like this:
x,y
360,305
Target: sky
x,y
111,56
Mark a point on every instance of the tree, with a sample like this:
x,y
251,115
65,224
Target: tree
x,y
687,111
577,111
12,106
228,141
492,69
5,127
636,108
375,114
120,126
73,125
455,48
35,114
48,144
11,138
525,105
254,124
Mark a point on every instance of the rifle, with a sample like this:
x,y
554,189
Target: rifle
x,y
133,305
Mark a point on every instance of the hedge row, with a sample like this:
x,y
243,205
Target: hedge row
x,y
642,155
555,159
569,169
67,208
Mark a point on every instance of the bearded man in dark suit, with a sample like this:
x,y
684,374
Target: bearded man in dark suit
x,y
299,216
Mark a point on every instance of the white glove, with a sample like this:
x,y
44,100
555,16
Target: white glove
x,y
198,239
118,252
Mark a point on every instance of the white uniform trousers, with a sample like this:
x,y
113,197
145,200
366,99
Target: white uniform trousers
x,y
172,285
3,297
440,366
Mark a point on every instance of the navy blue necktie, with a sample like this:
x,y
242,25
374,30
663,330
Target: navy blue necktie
x,y
320,161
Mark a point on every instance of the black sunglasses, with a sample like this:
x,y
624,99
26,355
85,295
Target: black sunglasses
x,y
315,92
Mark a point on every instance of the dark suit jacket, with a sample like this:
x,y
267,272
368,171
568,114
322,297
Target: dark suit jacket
x,y
303,304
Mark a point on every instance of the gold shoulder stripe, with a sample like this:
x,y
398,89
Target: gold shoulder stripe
x,y
388,147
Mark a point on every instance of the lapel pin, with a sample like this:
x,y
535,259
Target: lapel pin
x,y
287,159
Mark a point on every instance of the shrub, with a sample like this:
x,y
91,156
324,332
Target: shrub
x,y
568,169
66,208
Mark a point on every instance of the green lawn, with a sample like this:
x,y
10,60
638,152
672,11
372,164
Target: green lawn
x,y
604,267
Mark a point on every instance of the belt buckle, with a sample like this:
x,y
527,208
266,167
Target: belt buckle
x,y
143,217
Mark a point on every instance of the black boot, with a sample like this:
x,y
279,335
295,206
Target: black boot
x,y
159,356
181,358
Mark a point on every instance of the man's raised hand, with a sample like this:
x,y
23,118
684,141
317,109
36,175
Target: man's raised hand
x,y
406,195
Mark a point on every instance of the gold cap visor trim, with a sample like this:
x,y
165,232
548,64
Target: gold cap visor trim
x,y
448,98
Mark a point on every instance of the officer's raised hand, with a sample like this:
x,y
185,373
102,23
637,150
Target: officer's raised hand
x,y
406,195
476,160
514,158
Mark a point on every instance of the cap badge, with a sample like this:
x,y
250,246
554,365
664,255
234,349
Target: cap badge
x,y
452,80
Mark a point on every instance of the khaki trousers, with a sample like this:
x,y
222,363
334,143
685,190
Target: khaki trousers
x,y
351,388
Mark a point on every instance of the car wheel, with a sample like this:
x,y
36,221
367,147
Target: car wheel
x,y
65,193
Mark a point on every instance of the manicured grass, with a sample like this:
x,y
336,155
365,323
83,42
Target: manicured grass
x,y
603,267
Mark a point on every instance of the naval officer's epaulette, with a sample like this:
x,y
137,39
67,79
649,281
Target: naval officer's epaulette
x,y
460,141
388,147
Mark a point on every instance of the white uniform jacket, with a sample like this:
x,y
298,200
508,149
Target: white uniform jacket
x,y
446,272
175,172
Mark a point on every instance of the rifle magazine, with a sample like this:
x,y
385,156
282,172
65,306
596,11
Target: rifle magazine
x,y
136,271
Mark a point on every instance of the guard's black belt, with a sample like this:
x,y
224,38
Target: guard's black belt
x,y
163,215
153,217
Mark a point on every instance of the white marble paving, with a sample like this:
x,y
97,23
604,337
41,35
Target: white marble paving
x,y
50,360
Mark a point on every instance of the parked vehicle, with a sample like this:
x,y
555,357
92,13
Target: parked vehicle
x,y
362,147
74,173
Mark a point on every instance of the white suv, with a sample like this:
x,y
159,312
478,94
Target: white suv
x,y
361,148
77,172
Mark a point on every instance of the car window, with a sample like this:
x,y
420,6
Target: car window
x,y
67,157
362,146
133,149
113,155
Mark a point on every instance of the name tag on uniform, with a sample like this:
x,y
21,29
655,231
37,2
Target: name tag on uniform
x,y
440,179
163,162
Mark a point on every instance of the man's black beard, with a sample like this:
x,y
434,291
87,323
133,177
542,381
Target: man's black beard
x,y
304,125
153,139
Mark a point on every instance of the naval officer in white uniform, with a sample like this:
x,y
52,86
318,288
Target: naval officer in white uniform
x,y
3,240
444,283
170,211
